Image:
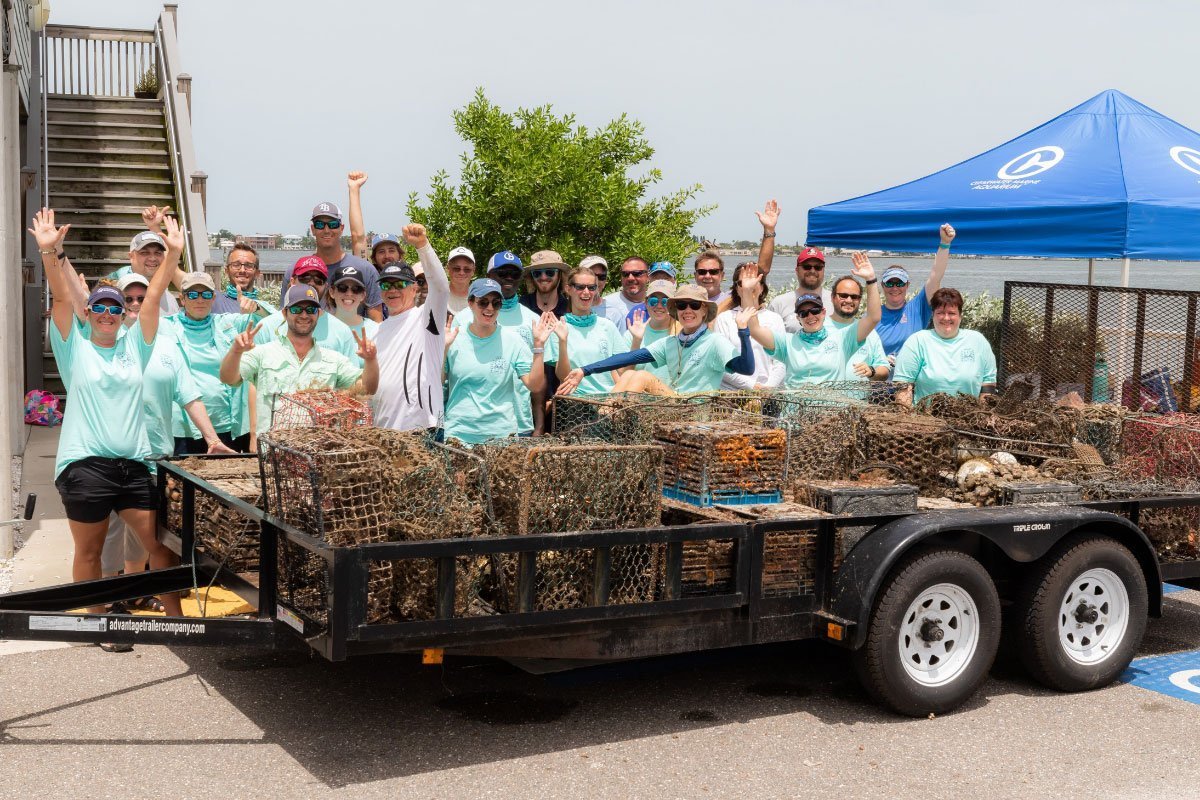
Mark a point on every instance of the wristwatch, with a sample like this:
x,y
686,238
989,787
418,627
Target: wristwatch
x,y
873,280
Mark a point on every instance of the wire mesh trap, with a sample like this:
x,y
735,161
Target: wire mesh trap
x,y
726,461
916,448
320,408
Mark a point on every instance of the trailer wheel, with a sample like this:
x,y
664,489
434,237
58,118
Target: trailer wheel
x,y
1081,615
933,634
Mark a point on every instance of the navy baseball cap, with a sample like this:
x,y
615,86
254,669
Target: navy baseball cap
x,y
397,271
481,287
346,272
809,298
301,293
505,258
109,293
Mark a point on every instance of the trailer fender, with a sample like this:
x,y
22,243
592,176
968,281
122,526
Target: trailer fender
x,y
1023,533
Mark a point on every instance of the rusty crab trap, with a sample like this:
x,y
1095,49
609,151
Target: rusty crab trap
x,y
1029,429
226,535
548,486
734,461
911,447
320,408
624,418
1164,448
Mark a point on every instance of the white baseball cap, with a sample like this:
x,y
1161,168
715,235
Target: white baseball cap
x,y
460,251
129,279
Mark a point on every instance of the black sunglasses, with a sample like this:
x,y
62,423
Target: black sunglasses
x,y
583,287
313,278
812,267
489,302
636,273
691,305
848,296
716,271
808,312
332,224
543,273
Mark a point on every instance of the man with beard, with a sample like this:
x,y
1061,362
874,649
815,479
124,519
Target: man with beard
x,y
635,275
294,360
411,341
241,295
327,231
810,277
869,361
329,331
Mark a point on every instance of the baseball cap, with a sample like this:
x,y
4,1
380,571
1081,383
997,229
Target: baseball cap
x,y
309,264
661,287
663,266
591,261
144,239
347,272
809,298
191,279
301,294
546,258
505,258
380,238
894,272
460,251
326,210
110,293
481,287
126,281
397,271
809,253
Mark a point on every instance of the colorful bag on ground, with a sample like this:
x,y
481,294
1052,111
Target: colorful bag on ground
x,y
41,408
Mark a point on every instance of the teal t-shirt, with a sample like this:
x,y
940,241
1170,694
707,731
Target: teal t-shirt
x,y
954,366
167,387
650,337
482,374
202,346
695,368
586,345
104,416
870,353
520,319
816,362
330,333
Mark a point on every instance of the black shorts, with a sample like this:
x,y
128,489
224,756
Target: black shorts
x,y
92,488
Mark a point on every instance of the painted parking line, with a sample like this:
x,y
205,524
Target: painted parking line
x,y
1170,588
1176,675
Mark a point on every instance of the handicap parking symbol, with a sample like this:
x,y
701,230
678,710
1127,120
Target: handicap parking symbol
x,y
1176,675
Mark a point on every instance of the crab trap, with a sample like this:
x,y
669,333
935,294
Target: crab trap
x,y
320,408
727,462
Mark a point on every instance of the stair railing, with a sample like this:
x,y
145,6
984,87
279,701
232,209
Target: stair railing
x,y
106,62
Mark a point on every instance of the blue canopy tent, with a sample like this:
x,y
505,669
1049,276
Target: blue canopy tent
x,y
1111,178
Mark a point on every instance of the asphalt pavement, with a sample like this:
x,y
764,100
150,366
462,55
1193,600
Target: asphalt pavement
x,y
769,722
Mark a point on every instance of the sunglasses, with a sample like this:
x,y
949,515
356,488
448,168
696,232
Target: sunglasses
x,y
104,308
193,295
320,224
688,305
312,278
812,267
583,287
387,286
134,298
304,309
804,313
709,271
657,301
894,284
349,288
489,302
507,274
543,273
847,296
633,273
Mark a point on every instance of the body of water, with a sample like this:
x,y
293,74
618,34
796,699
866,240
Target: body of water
x,y
968,275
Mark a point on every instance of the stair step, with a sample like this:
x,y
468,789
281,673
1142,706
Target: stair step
x,y
108,226
66,108
104,98
106,165
109,179
75,123
108,138
102,127
114,196
122,151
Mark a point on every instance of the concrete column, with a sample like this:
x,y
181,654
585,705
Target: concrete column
x,y
11,297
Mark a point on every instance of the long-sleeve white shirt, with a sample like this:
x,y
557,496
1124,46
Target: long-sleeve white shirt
x,y
767,371
411,349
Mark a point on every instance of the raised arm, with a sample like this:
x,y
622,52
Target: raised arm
x,y
49,241
369,382
862,269
435,273
358,231
940,261
769,217
535,379
750,280
154,216
562,367
743,363
231,373
148,316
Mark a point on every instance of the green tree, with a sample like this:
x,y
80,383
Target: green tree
x,y
225,233
534,180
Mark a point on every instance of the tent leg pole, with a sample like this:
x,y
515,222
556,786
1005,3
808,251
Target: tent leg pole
x,y
1091,271
1125,273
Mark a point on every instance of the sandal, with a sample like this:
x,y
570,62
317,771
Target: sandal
x,y
147,604
113,647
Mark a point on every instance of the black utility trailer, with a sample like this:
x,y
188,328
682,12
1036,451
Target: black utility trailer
x,y
918,598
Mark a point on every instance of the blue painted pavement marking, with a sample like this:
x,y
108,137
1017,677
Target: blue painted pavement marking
x,y
1170,588
1176,675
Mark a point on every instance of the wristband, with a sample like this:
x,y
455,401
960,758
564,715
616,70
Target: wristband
x,y
769,235
537,351
872,281
942,246
872,375
48,252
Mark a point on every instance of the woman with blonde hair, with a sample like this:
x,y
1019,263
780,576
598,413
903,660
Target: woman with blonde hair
x,y
589,336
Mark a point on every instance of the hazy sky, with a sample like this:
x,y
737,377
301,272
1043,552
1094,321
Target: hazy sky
x,y
807,102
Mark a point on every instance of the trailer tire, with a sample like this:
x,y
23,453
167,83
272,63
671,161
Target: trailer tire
x,y
933,634
1081,614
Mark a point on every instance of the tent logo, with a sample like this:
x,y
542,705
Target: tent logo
x,y
1187,157
1035,162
